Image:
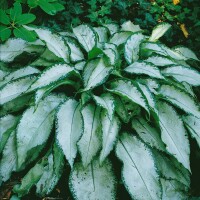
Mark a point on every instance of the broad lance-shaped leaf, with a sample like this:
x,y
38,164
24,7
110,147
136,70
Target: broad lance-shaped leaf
x,y
161,49
52,75
106,101
75,51
144,68
139,171
110,129
38,124
173,190
160,61
186,102
169,168
69,128
7,125
90,142
193,125
128,90
149,97
94,182
159,31
148,134
102,33
54,42
120,37
131,49
95,73
111,55
19,73
186,52
86,36
173,134
44,175
129,26
15,46
8,162
51,172
183,74
15,88
112,27
32,177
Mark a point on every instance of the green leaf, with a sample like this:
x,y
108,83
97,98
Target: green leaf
x,y
15,47
52,75
186,102
25,71
186,53
25,19
183,74
128,90
172,130
51,172
15,88
193,125
102,33
8,124
95,73
110,130
171,169
90,142
129,150
5,33
120,37
47,7
54,42
24,34
4,19
113,28
15,11
142,67
148,134
106,101
76,53
132,47
86,36
8,162
32,177
159,31
69,128
160,61
129,26
38,123
100,181
173,189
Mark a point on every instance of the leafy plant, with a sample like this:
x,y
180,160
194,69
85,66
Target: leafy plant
x,y
12,19
91,92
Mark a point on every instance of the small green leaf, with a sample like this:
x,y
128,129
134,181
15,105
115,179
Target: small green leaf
x,y
25,19
4,19
5,33
24,34
47,7
15,11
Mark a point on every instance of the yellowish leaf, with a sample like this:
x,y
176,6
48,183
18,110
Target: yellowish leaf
x,y
184,30
175,2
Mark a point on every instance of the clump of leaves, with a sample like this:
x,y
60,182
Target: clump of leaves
x,y
12,20
93,91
